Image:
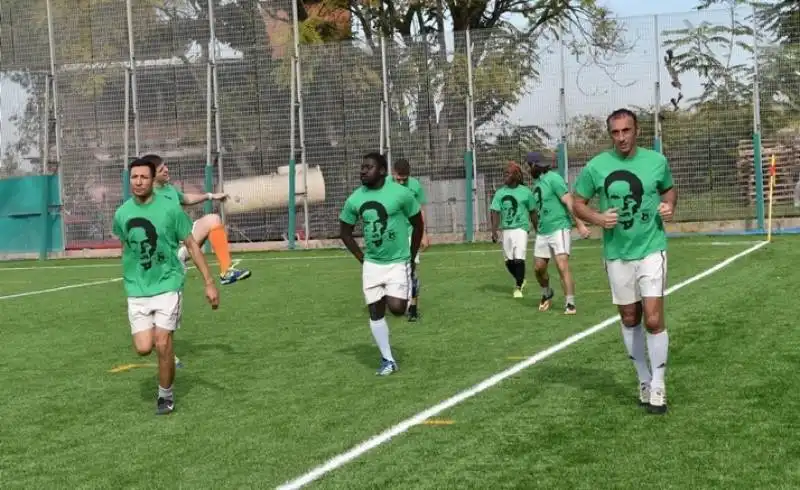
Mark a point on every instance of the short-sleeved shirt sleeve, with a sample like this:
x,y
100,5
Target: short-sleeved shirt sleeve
x,y
116,227
410,205
349,212
586,184
559,186
665,182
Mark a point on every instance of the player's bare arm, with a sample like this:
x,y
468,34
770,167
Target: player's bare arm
x,y
582,211
534,216
192,199
418,230
568,201
425,241
669,199
346,233
200,261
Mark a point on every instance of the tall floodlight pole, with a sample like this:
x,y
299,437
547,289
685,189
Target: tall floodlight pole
x,y
758,167
132,72
213,88
385,107
563,153
52,84
471,133
300,117
657,89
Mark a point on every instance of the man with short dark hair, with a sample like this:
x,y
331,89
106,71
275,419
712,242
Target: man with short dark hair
x,y
401,173
151,227
385,208
636,197
553,231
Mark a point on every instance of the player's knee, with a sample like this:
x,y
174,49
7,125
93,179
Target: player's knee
x,y
630,317
143,350
163,343
654,322
540,266
562,263
213,220
397,307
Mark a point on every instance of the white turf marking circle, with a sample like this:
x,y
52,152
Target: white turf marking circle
x,y
435,410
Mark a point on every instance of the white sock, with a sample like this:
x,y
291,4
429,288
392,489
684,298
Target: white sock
x,y
570,300
635,343
657,347
380,330
165,392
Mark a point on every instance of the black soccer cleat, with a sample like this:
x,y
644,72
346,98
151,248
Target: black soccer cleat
x,y
164,406
413,313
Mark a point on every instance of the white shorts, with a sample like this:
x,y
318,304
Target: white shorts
x,y
162,311
380,280
556,243
515,244
632,280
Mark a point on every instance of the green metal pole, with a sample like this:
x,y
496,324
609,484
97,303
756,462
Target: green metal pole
x,y
657,144
44,244
561,158
208,206
292,203
126,183
468,208
759,179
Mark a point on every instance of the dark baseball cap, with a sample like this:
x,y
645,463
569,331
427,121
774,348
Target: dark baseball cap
x,y
535,158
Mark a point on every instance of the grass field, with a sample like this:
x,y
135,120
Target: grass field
x,y
281,379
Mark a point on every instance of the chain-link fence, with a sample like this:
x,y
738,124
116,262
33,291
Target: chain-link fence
x,y
88,85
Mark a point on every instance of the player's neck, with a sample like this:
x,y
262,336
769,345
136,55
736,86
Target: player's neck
x,y
378,185
630,154
141,200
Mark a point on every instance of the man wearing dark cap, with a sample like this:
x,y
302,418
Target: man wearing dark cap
x,y
553,234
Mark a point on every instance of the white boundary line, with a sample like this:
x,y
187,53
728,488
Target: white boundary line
x,y
417,419
343,255
234,263
60,288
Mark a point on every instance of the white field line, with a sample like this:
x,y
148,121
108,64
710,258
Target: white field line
x,y
346,255
235,262
437,409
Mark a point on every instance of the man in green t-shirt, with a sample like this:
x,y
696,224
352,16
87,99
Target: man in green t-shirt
x,y
209,227
553,231
513,210
636,196
401,173
385,209
151,228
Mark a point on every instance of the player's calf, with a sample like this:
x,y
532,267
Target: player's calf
x,y
658,349
567,283
543,278
166,370
380,332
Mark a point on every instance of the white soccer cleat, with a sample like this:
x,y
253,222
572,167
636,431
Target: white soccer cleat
x,y
644,394
658,401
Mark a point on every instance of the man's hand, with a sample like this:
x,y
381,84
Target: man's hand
x,y
584,230
494,236
212,295
425,242
609,219
666,211
220,196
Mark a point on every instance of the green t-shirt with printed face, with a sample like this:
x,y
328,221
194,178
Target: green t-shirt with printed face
x,y
514,205
385,214
170,191
553,214
151,234
634,187
415,186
